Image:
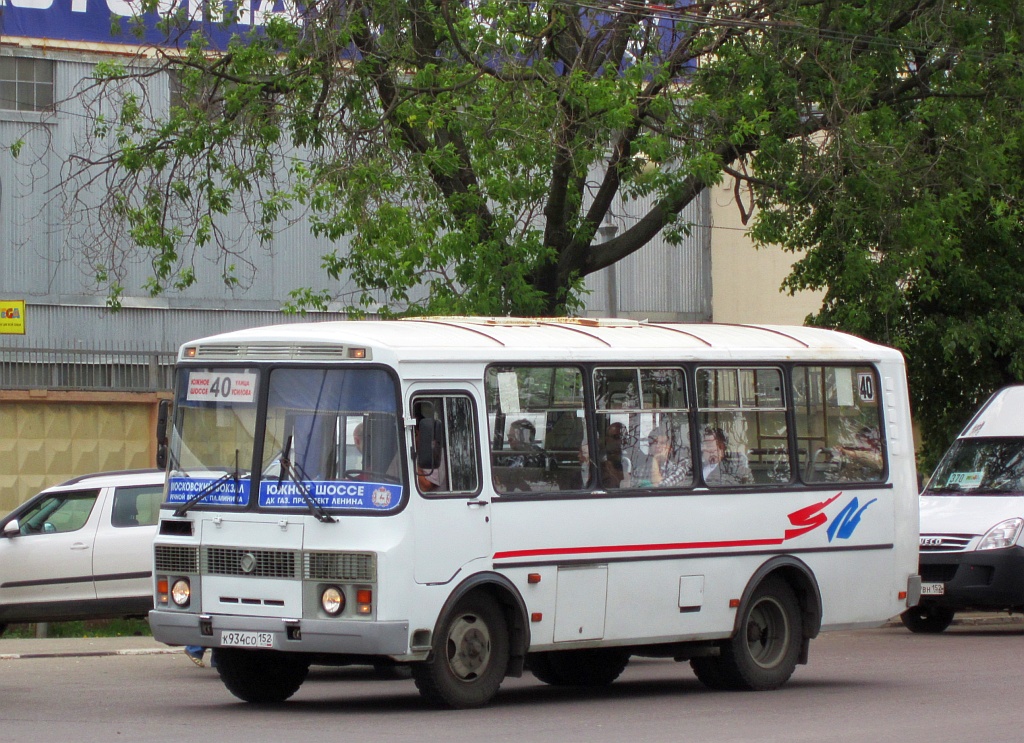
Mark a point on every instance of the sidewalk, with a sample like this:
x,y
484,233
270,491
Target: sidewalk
x,y
17,649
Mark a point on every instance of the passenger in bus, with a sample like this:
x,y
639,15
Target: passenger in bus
x,y
721,467
615,466
587,468
665,467
526,460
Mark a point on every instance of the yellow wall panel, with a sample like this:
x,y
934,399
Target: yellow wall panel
x,y
47,441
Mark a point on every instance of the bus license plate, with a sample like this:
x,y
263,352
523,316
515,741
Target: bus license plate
x,y
933,589
247,639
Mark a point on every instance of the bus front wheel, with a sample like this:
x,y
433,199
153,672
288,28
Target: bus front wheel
x,y
469,657
260,676
764,651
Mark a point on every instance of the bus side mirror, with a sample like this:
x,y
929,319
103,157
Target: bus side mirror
x,y
163,413
428,444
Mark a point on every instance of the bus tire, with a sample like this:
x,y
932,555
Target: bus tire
x,y
929,620
763,653
588,668
470,655
260,676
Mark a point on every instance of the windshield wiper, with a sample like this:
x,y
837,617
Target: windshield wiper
x,y
294,472
183,508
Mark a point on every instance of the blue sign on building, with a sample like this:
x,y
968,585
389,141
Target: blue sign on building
x,y
110,21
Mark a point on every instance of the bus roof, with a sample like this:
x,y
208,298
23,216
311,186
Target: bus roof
x,y
476,338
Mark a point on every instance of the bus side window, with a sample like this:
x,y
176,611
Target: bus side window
x,y
838,424
445,456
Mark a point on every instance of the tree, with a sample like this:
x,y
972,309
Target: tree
x,y
476,146
910,217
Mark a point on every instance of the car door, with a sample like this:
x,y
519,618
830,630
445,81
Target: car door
x,y
123,557
49,559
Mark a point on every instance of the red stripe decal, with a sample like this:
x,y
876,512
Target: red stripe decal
x,y
805,519
637,548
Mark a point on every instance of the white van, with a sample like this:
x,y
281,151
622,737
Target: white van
x,y
972,518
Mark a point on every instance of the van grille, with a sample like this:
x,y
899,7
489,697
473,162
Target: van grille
x,y
945,542
175,559
252,563
342,566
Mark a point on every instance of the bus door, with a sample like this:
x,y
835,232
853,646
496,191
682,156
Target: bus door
x,y
452,513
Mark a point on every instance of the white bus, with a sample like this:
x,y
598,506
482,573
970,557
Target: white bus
x,y
477,497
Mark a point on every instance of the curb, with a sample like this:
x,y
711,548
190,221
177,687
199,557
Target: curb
x,y
89,653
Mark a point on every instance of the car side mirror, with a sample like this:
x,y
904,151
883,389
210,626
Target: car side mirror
x,y
12,528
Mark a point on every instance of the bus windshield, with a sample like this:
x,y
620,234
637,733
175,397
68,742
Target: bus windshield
x,y
981,466
330,438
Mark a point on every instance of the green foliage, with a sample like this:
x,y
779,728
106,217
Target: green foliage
x,y
88,628
464,154
909,216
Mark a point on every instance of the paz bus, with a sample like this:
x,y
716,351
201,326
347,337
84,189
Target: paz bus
x,y
474,498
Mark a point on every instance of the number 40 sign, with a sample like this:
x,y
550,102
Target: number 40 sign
x,y
237,387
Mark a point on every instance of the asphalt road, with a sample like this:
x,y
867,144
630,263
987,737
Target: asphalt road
x,y
876,685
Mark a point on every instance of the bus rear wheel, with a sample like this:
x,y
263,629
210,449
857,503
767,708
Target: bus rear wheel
x,y
930,620
260,676
593,667
763,653
469,657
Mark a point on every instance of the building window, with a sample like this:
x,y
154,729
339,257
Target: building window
x,y
26,84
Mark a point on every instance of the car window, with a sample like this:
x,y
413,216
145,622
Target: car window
x,y
137,505
59,512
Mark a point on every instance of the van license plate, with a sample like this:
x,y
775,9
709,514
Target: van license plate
x,y
933,589
247,639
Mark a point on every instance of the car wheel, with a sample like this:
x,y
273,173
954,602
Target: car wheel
x,y
260,676
929,620
593,667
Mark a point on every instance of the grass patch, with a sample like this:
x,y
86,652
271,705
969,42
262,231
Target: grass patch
x,y
88,628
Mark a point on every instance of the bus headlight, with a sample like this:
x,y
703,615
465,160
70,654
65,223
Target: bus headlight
x,y
1002,535
181,592
332,600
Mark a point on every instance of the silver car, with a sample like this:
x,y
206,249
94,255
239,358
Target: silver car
x,y
81,550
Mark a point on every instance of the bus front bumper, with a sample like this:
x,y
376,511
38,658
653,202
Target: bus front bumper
x,y
341,637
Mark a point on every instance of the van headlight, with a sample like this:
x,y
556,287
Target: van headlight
x,y
1002,535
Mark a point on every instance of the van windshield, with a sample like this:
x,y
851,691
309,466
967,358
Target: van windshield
x,y
981,466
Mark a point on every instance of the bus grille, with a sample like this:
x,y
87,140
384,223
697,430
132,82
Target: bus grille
x,y
344,566
180,560
251,563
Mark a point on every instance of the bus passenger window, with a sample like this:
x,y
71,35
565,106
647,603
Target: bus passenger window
x,y
743,430
643,428
537,429
838,423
